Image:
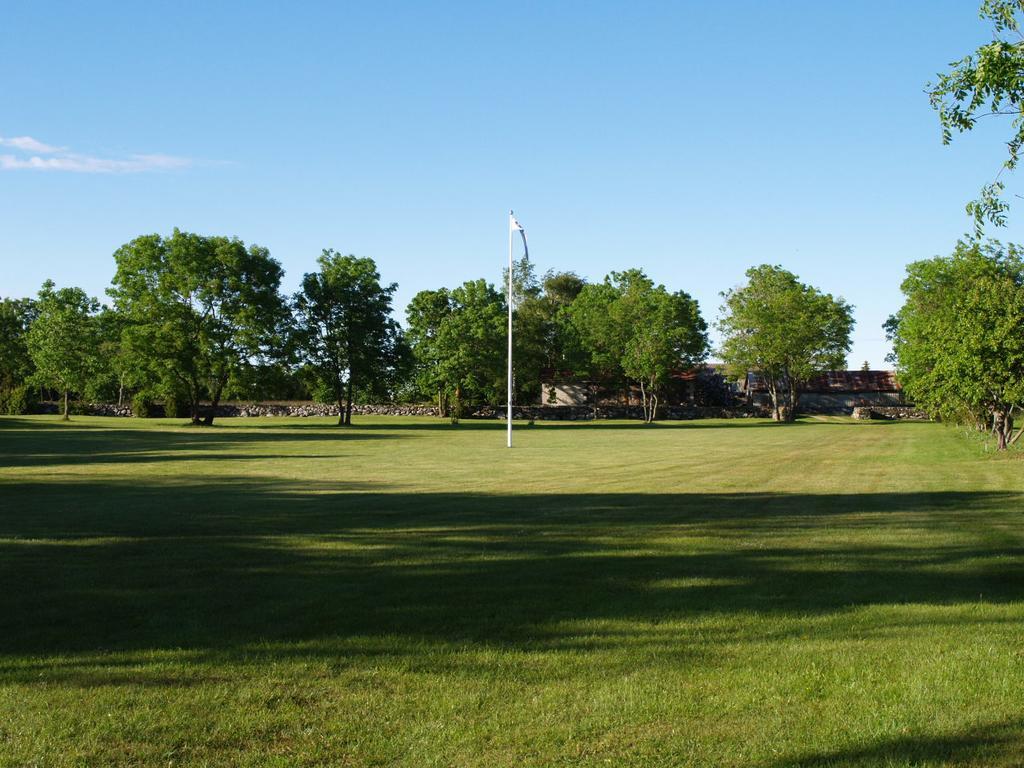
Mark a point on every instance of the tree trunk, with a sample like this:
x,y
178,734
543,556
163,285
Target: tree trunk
x,y
773,392
348,401
120,390
794,396
215,401
67,416
654,407
339,398
643,401
457,410
193,404
1002,426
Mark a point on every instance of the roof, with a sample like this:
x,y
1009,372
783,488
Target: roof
x,y
839,381
567,376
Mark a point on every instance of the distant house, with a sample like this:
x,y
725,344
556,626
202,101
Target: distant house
x,y
834,391
694,386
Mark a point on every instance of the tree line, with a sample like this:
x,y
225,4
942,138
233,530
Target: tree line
x,y
195,319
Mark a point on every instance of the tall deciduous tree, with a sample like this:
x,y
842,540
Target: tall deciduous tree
x,y
198,309
562,348
62,340
670,335
785,332
529,326
344,328
116,370
601,335
16,316
639,330
425,315
471,343
957,339
458,341
988,82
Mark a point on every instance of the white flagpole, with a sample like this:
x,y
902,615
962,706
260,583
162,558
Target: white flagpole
x,y
509,415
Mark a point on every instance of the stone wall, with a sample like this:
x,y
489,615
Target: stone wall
x,y
525,412
320,409
835,403
587,413
519,412
894,412
845,402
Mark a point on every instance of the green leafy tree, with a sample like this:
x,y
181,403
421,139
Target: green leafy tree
x,y
62,340
542,336
639,331
471,345
271,380
16,368
957,339
529,329
785,332
670,335
344,329
116,371
988,82
425,315
562,348
198,310
601,334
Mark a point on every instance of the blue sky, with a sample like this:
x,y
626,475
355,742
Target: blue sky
x,y
691,139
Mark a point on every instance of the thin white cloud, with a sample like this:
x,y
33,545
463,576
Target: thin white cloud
x,y
28,144
35,155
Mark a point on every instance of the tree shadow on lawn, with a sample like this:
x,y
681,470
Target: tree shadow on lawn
x,y
100,566
990,745
41,444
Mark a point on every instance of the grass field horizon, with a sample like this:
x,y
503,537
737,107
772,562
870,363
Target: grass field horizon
x,y
404,592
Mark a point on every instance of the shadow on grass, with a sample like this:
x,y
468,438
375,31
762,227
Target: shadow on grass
x,y
997,744
27,443
221,565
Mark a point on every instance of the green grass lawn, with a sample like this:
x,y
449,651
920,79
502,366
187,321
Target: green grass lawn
x,y
722,593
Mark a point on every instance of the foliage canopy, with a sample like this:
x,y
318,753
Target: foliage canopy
x,y
197,310
62,339
343,327
638,330
988,82
957,339
785,331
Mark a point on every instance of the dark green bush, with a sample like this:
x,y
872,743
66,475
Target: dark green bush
x,y
174,407
77,407
143,405
18,401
